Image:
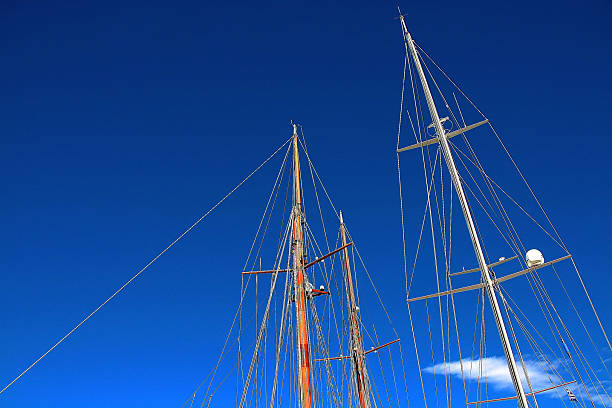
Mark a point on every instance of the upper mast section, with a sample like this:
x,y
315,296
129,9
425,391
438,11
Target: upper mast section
x,y
442,137
297,185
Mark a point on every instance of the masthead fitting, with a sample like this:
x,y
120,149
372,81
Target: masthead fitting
x,y
341,220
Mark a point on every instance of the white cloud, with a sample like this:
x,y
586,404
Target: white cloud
x,y
495,371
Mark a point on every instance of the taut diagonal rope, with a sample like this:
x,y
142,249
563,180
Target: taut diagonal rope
x,y
145,267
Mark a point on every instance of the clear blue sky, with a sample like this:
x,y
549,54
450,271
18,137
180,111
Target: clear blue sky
x,y
122,122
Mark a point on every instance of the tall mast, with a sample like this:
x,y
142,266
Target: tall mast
x,y
303,349
357,355
486,278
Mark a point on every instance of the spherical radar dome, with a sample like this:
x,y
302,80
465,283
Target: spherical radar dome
x,y
534,257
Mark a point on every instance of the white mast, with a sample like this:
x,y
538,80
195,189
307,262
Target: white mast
x,y
441,136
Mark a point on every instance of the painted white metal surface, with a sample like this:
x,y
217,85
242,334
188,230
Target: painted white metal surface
x,y
488,282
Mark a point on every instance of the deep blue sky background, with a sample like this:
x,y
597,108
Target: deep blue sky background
x,y
122,122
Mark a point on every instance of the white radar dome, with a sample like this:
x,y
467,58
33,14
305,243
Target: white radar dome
x,y
534,258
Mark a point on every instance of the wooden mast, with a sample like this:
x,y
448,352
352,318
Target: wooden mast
x,y
303,348
357,354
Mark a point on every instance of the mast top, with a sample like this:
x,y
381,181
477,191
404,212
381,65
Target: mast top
x,y
400,15
294,128
341,220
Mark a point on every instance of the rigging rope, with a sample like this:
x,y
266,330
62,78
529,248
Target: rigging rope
x,y
263,327
514,237
399,172
145,267
532,193
281,244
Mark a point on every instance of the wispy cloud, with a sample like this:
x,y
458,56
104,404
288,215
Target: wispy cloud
x,y
494,370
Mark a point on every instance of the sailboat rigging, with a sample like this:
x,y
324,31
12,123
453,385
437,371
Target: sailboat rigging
x,y
510,321
484,269
316,343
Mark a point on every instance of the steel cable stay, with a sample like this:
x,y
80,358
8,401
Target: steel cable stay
x,y
536,199
558,338
314,186
321,341
284,322
331,382
545,363
151,262
513,242
551,325
286,311
257,233
497,136
541,356
512,232
427,205
586,366
399,171
379,298
587,294
584,362
194,393
491,199
512,305
314,171
603,362
484,174
550,365
273,194
418,137
207,396
485,210
429,188
271,199
313,334
262,330
482,206
519,351
566,332
442,229
508,240
437,274
503,214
